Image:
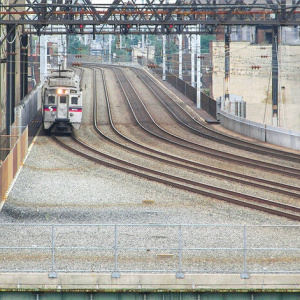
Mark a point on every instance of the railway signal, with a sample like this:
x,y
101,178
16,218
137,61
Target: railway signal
x,y
81,28
168,28
125,28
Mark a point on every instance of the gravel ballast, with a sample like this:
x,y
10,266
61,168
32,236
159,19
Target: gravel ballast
x,y
57,187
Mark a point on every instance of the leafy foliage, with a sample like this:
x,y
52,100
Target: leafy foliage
x,y
75,46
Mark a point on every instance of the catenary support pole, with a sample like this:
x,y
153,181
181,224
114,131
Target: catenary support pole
x,y
275,76
24,65
109,48
227,62
199,84
43,58
180,55
10,77
192,47
164,57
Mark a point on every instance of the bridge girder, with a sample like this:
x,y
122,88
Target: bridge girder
x,y
193,16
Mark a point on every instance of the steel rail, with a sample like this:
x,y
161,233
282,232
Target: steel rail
x,y
221,137
153,177
178,185
176,181
193,165
212,152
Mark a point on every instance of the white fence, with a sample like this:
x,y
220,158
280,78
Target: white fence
x,y
178,249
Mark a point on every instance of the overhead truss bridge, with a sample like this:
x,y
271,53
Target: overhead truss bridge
x,y
145,16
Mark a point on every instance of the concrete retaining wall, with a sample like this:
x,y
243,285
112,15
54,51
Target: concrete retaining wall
x,y
27,108
283,137
266,133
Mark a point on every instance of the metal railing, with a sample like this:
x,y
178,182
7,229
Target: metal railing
x,y
17,145
156,248
13,147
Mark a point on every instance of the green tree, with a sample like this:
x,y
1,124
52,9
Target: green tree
x,y
171,48
74,45
205,39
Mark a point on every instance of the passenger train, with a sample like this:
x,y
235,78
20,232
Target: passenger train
x,y
62,101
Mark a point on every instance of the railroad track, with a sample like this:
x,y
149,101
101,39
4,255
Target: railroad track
x,y
178,111
188,121
177,161
146,122
179,182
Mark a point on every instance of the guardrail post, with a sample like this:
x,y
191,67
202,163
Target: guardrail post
x,y
52,273
116,274
179,274
245,274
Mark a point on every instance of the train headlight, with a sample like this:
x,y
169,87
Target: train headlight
x,y
61,91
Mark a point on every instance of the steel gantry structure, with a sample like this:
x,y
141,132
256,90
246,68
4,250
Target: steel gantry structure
x,y
47,17
145,16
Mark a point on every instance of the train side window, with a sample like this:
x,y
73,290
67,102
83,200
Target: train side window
x,y
51,99
74,100
63,99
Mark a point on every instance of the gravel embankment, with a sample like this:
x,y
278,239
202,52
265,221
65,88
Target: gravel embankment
x,y
57,187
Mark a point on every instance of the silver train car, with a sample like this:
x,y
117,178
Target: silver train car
x,y
62,101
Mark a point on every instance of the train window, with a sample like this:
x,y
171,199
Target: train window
x,y
51,99
63,99
74,100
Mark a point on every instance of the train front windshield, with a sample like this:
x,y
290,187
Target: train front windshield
x,y
74,100
63,99
51,99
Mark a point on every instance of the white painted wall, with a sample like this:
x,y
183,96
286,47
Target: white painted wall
x,y
255,85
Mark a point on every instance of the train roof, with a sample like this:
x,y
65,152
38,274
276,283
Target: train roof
x,y
67,78
62,73
59,81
